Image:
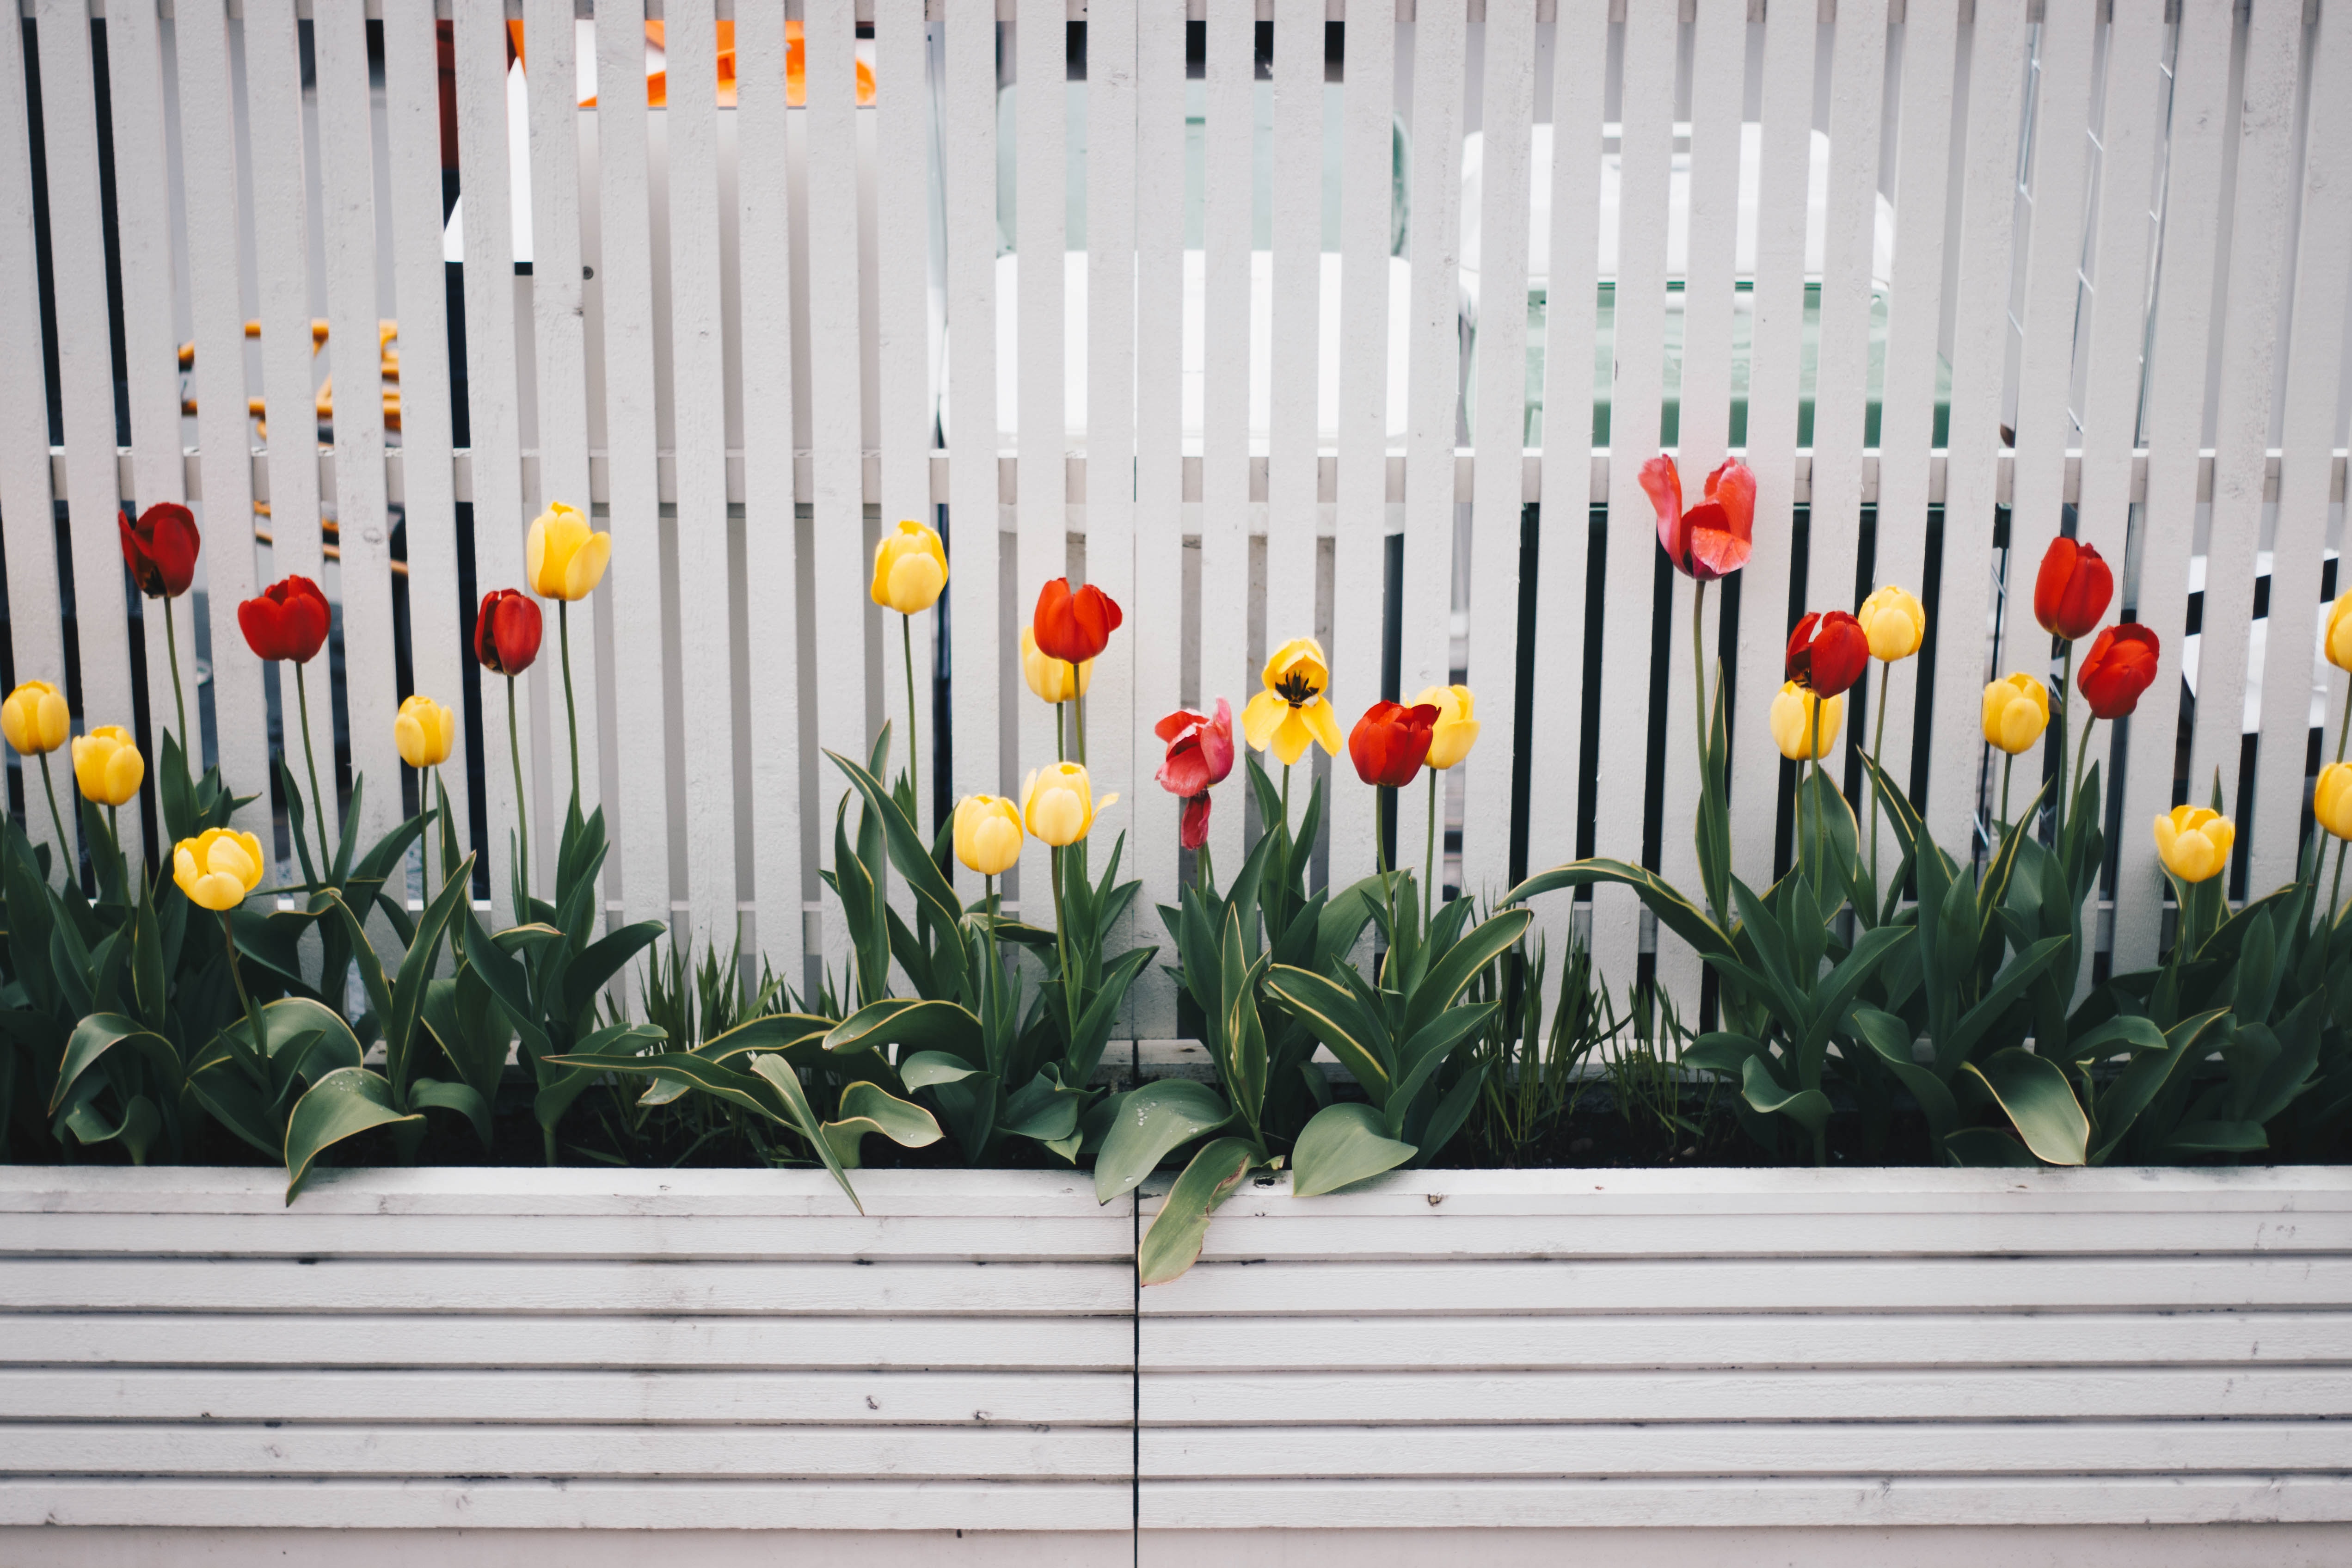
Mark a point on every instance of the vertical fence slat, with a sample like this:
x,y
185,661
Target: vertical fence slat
x,y
1636,399
1499,480
770,537
2053,242
902,255
2198,125
1914,313
142,207
624,267
85,373
698,373
1226,394
559,336
1783,178
1291,479
438,622
2259,224
1160,470
1980,348
27,506
1041,230
969,145
2306,464
348,227
1554,748
1118,756
493,403
209,167
1360,553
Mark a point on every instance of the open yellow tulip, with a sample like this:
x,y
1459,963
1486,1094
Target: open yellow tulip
x,y
1895,622
2193,842
1792,719
2016,712
1292,711
35,719
910,569
107,765
1057,804
217,868
425,731
988,833
562,558
1456,730
1054,680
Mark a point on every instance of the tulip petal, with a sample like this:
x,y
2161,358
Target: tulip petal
x,y
1323,723
1261,718
587,567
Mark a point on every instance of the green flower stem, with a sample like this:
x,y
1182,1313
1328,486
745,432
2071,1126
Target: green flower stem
x,y
1877,744
244,997
1060,755
1285,796
522,808
2344,729
1429,853
57,820
1821,849
1062,936
1201,876
571,714
1384,805
2008,760
2081,752
2061,712
2339,886
425,835
1078,722
310,760
179,697
914,773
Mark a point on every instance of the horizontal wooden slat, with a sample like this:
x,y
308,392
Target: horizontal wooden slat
x,y
870,1398
733,1344
1287,1404
1922,1284
878,1451
1727,1339
913,1288
1756,1448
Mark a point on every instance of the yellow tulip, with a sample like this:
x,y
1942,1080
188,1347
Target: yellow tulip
x,y
425,731
563,559
910,570
2016,712
2193,842
217,868
2331,799
1292,711
1456,731
1895,622
1058,803
988,833
35,719
1054,680
107,765
1792,717
2339,631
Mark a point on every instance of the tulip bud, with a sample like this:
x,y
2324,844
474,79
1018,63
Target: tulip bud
x,y
2071,589
161,549
1895,622
562,559
2331,799
2339,632
910,569
987,834
506,632
1792,720
108,767
1390,742
425,731
1456,730
2120,667
2016,712
2193,842
35,719
1054,680
288,619
217,868
1828,653
1074,625
1057,804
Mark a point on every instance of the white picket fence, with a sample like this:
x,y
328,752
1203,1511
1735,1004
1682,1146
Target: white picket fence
x,y
2108,236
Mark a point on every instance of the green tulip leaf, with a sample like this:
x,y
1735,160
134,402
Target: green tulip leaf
x,y
869,1108
907,1022
2032,1091
1150,1123
921,1070
1174,1243
1678,913
343,1104
100,1032
428,1093
1344,1143
1982,1146
1808,1108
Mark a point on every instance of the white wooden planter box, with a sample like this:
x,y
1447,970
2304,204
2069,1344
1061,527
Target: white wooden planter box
x,y
1714,1366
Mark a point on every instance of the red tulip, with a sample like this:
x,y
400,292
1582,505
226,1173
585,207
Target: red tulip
x,y
1390,742
506,632
286,620
1712,539
1200,749
161,549
2072,589
1828,653
2120,666
1074,625
1192,827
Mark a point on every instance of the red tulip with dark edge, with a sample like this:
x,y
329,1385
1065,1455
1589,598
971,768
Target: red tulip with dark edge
x,y
507,632
161,549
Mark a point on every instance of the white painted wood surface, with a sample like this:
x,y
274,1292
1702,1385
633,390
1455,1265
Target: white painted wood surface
x,y
668,381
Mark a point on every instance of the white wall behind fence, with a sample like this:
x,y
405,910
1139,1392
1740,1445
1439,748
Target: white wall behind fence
x,y
1414,291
